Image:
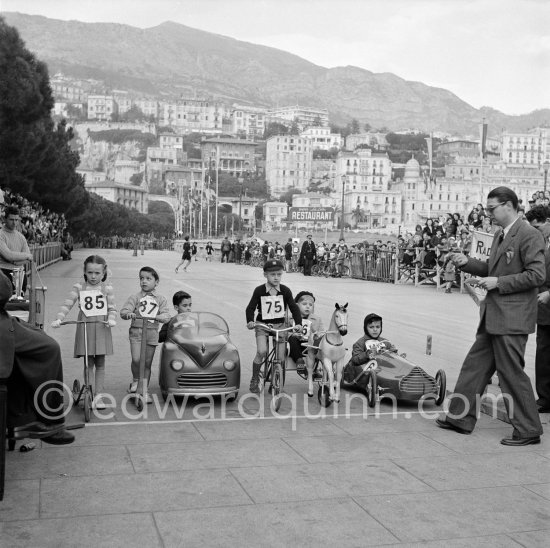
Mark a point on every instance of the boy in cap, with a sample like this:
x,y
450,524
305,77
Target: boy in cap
x,y
271,300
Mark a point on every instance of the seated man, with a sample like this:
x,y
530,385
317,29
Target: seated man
x,y
31,361
14,250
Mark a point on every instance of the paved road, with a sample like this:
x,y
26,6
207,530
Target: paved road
x,y
184,477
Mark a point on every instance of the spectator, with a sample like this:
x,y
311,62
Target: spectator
x,y
308,254
539,217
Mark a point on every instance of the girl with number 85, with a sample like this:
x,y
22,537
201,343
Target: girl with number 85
x,y
96,295
147,309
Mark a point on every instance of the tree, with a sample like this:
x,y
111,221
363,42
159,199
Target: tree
x,y
295,127
358,215
354,127
133,114
137,178
275,128
287,196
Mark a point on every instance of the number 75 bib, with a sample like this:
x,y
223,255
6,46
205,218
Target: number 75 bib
x,y
273,307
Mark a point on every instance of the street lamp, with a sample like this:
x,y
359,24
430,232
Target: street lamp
x,y
545,166
342,215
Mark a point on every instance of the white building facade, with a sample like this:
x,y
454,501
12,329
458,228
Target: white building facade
x,y
288,163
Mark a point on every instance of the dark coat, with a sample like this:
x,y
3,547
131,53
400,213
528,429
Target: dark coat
x,y
7,346
518,263
543,316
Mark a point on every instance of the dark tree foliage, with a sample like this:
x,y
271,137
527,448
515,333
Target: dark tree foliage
x,y
36,159
274,128
118,136
287,196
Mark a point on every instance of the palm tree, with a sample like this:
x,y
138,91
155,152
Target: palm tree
x,y
358,214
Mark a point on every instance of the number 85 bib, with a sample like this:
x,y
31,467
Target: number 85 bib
x,y
273,307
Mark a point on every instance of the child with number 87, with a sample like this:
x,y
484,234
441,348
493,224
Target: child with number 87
x,y
100,342
146,309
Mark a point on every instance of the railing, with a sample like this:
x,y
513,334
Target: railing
x,y
46,254
374,265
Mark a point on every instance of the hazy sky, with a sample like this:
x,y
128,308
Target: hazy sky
x,y
488,52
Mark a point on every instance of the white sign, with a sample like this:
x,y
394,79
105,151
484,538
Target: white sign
x,y
481,245
273,307
148,307
93,303
306,329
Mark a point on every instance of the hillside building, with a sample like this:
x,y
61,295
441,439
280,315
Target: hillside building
x,y
372,139
304,116
192,115
130,196
248,121
101,107
322,138
233,156
288,163
149,107
370,201
531,148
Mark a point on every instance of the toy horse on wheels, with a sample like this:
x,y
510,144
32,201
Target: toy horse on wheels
x,y
332,351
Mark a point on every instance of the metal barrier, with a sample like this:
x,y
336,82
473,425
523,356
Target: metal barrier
x,y
374,265
46,254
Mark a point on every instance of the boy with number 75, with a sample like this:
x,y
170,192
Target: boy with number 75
x,y
272,300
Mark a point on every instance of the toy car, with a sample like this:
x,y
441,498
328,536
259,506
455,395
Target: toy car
x,y
198,358
389,372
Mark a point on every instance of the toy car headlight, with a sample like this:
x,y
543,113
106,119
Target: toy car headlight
x,y
229,365
176,365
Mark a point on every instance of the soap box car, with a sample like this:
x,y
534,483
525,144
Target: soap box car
x,y
198,358
388,372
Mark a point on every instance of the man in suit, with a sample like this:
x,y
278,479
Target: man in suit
x,y
307,255
539,217
507,315
31,362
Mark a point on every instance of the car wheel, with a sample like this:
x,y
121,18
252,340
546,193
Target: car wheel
x,y
233,397
440,386
323,395
372,389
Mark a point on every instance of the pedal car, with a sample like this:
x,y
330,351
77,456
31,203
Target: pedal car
x,y
390,373
198,357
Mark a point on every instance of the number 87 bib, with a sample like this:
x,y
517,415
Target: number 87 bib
x,y
273,307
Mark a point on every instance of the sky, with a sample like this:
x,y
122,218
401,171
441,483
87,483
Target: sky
x,y
488,52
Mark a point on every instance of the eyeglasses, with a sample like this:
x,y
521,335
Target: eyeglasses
x,y
490,209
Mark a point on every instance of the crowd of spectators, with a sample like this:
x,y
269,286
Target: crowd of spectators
x,y
38,225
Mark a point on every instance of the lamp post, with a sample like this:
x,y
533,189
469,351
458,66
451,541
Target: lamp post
x,y
545,166
241,182
342,214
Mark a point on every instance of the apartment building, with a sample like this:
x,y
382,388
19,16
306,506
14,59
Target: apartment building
x,y
275,215
288,163
132,197
149,107
305,116
526,148
193,115
101,107
322,138
364,177
170,140
248,121
233,156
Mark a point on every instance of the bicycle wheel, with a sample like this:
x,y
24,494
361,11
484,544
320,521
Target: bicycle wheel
x,y
327,271
323,394
276,386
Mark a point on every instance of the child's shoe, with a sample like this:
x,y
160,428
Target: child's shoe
x,y
148,398
99,403
448,290
133,387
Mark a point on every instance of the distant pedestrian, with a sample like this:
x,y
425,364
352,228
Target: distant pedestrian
x,y
194,250
307,255
186,256
226,249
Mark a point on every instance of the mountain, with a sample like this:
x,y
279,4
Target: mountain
x,y
172,59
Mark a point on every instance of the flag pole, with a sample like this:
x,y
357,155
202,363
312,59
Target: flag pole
x,y
202,192
217,186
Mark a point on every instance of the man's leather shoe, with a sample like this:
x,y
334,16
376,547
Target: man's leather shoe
x,y
36,430
448,426
517,442
63,437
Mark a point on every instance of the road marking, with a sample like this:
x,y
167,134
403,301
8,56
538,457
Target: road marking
x,y
407,414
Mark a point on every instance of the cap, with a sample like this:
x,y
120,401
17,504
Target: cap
x,y
273,264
